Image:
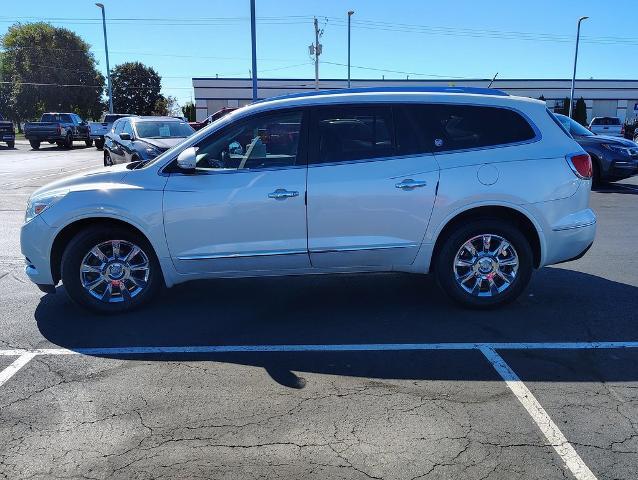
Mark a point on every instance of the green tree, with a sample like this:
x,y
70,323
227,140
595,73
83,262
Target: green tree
x,y
189,111
580,112
167,106
136,88
48,69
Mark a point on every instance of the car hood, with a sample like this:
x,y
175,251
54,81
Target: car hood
x,y
600,139
163,143
99,178
617,140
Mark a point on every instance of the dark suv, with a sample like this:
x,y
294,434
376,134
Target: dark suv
x,y
142,138
7,132
613,158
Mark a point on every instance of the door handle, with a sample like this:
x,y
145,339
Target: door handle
x,y
282,193
409,184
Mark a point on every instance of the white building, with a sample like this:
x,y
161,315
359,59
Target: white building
x,y
617,98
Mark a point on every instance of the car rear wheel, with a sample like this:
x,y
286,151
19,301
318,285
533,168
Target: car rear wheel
x,y
484,263
34,144
68,141
99,144
110,270
88,143
11,144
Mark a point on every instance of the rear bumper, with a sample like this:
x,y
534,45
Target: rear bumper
x,y
569,241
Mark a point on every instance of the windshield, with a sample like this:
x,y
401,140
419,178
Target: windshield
x,y
163,129
573,127
111,117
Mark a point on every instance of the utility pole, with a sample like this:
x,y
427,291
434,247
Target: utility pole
x,y
350,13
253,35
106,47
571,96
316,50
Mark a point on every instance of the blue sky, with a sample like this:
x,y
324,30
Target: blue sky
x,y
464,38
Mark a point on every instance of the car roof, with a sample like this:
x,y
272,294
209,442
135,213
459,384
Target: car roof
x,y
452,95
148,118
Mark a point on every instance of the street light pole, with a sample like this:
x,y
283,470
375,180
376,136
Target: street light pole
x,y
571,96
253,38
106,48
349,15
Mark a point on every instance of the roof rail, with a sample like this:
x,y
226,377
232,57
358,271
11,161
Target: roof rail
x,y
334,91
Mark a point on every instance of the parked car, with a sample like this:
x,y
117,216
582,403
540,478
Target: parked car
x,y
7,132
98,130
211,118
142,138
59,128
613,158
473,185
611,126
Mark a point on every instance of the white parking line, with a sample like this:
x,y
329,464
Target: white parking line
x,y
551,431
12,369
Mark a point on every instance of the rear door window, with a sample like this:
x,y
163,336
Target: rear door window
x,y
347,133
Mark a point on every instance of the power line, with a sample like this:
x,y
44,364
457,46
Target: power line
x,y
358,23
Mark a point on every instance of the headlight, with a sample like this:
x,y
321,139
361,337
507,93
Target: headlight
x,y
38,204
618,149
152,151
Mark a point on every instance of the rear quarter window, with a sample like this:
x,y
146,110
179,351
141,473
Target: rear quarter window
x,y
459,127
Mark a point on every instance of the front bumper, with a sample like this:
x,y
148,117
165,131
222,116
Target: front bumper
x,y
623,167
35,241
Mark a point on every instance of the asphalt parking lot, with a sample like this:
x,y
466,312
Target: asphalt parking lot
x,y
350,376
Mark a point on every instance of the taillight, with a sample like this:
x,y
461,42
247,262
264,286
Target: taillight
x,y
580,165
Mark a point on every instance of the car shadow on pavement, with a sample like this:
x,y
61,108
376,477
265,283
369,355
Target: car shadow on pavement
x,y
559,306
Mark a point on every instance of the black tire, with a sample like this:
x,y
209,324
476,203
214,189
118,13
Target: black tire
x,y
108,161
35,144
68,141
88,143
596,178
51,142
11,144
59,143
99,144
82,244
444,262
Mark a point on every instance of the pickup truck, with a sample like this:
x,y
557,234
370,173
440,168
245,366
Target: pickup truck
x,y
211,118
7,132
611,126
59,128
99,129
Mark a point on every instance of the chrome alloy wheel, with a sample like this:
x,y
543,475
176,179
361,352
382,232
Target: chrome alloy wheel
x,y
485,265
115,271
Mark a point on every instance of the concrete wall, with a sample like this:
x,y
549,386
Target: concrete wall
x,y
616,97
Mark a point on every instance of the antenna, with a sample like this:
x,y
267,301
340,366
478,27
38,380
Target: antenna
x,y
492,81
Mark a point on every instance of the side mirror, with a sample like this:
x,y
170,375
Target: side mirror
x,y
187,160
125,136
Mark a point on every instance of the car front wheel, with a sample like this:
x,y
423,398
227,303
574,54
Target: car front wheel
x,y
484,263
110,270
